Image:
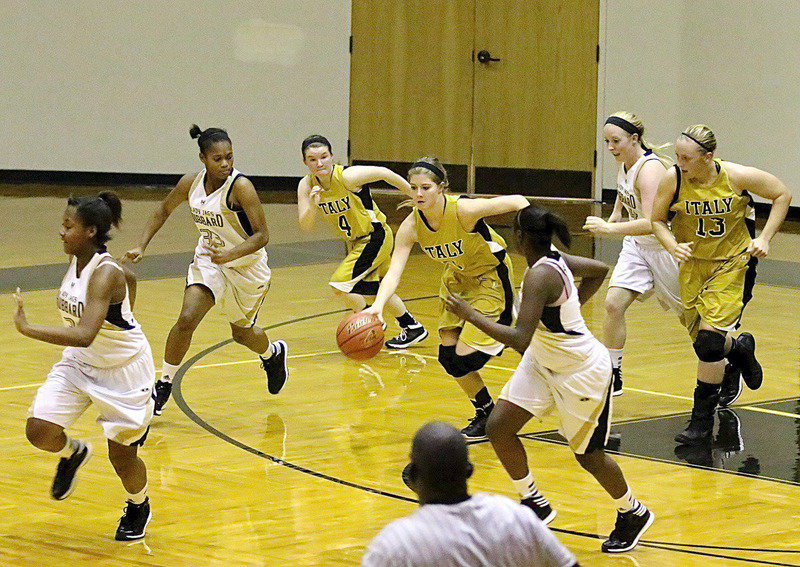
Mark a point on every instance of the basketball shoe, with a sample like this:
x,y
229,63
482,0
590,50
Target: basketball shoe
x,y
134,521
67,471
161,393
408,336
276,367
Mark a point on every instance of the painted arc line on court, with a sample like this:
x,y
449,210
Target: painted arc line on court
x,y
181,403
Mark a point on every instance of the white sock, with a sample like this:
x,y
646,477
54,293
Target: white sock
x,y
139,497
525,487
168,371
70,447
616,357
269,353
629,503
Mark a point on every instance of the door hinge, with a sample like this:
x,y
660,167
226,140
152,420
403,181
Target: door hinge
x,y
351,44
596,52
594,159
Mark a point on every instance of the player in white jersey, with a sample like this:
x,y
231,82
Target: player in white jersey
x,y
452,528
644,267
107,362
230,264
563,367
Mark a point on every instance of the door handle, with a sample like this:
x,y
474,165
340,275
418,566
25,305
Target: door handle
x,y
484,56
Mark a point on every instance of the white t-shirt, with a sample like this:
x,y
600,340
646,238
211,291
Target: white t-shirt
x,y
487,529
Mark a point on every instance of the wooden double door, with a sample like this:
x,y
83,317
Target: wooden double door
x,y
502,91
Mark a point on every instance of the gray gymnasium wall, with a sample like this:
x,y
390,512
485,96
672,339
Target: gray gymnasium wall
x,y
733,65
114,86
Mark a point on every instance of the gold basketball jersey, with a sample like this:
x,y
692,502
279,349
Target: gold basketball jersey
x,y
352,214
466,253
711,217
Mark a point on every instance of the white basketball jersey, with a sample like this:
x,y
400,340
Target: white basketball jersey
x,y
562,339
631,197
120,337
219,225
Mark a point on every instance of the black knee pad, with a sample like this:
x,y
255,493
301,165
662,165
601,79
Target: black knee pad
x,y
709,346
456,365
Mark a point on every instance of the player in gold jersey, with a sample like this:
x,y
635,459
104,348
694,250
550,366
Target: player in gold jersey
x,y
337,193
451,230
711,242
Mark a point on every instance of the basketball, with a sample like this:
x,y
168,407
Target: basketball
x,y
360,336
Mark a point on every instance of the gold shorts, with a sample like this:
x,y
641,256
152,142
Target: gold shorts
x,y
367,261
713,292
490,294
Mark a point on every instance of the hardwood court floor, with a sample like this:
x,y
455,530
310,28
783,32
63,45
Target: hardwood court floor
x,y
308,477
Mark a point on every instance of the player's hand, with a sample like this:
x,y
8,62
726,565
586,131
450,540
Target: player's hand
x,y
372,310
20,321
217,254
456,305
133,255
596,225
315,194
759,247
682,252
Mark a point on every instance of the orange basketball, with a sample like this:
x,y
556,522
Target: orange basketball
x,y
360,336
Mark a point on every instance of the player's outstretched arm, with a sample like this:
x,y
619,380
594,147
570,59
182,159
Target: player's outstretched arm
x,y
176,196
543,285
357,175
106,281
403,243
470,211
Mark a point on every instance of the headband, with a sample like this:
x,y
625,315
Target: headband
x,y
624,124
696,141
430,167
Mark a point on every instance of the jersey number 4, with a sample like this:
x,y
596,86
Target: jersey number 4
x,y
718,230
344,225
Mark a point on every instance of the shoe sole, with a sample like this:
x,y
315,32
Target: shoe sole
x,y
478,438
635,541
617,393
72,486
420,338
550,517
285,368
137,536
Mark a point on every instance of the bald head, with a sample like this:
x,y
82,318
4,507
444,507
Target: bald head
x,y
440,457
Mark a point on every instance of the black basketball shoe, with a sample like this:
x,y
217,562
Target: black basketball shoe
x,y
161,393
134,521
617,391
67,471
276,367
744,356
541,507
408,336
476,430
629,528
731,387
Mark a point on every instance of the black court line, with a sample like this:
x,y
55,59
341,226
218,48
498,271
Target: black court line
x,y
668,546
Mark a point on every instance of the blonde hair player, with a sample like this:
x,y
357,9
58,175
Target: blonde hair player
x,y
711,242
644,267
107,362
339,195
563,367
451,230
229,268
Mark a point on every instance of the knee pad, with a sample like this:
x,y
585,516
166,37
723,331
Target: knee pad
x,y
709,346
456,365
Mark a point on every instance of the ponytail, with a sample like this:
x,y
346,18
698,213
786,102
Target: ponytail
x,y
210,136
540,225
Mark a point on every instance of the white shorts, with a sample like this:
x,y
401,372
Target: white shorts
x,y
122,395
238,292
647,270
581,396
